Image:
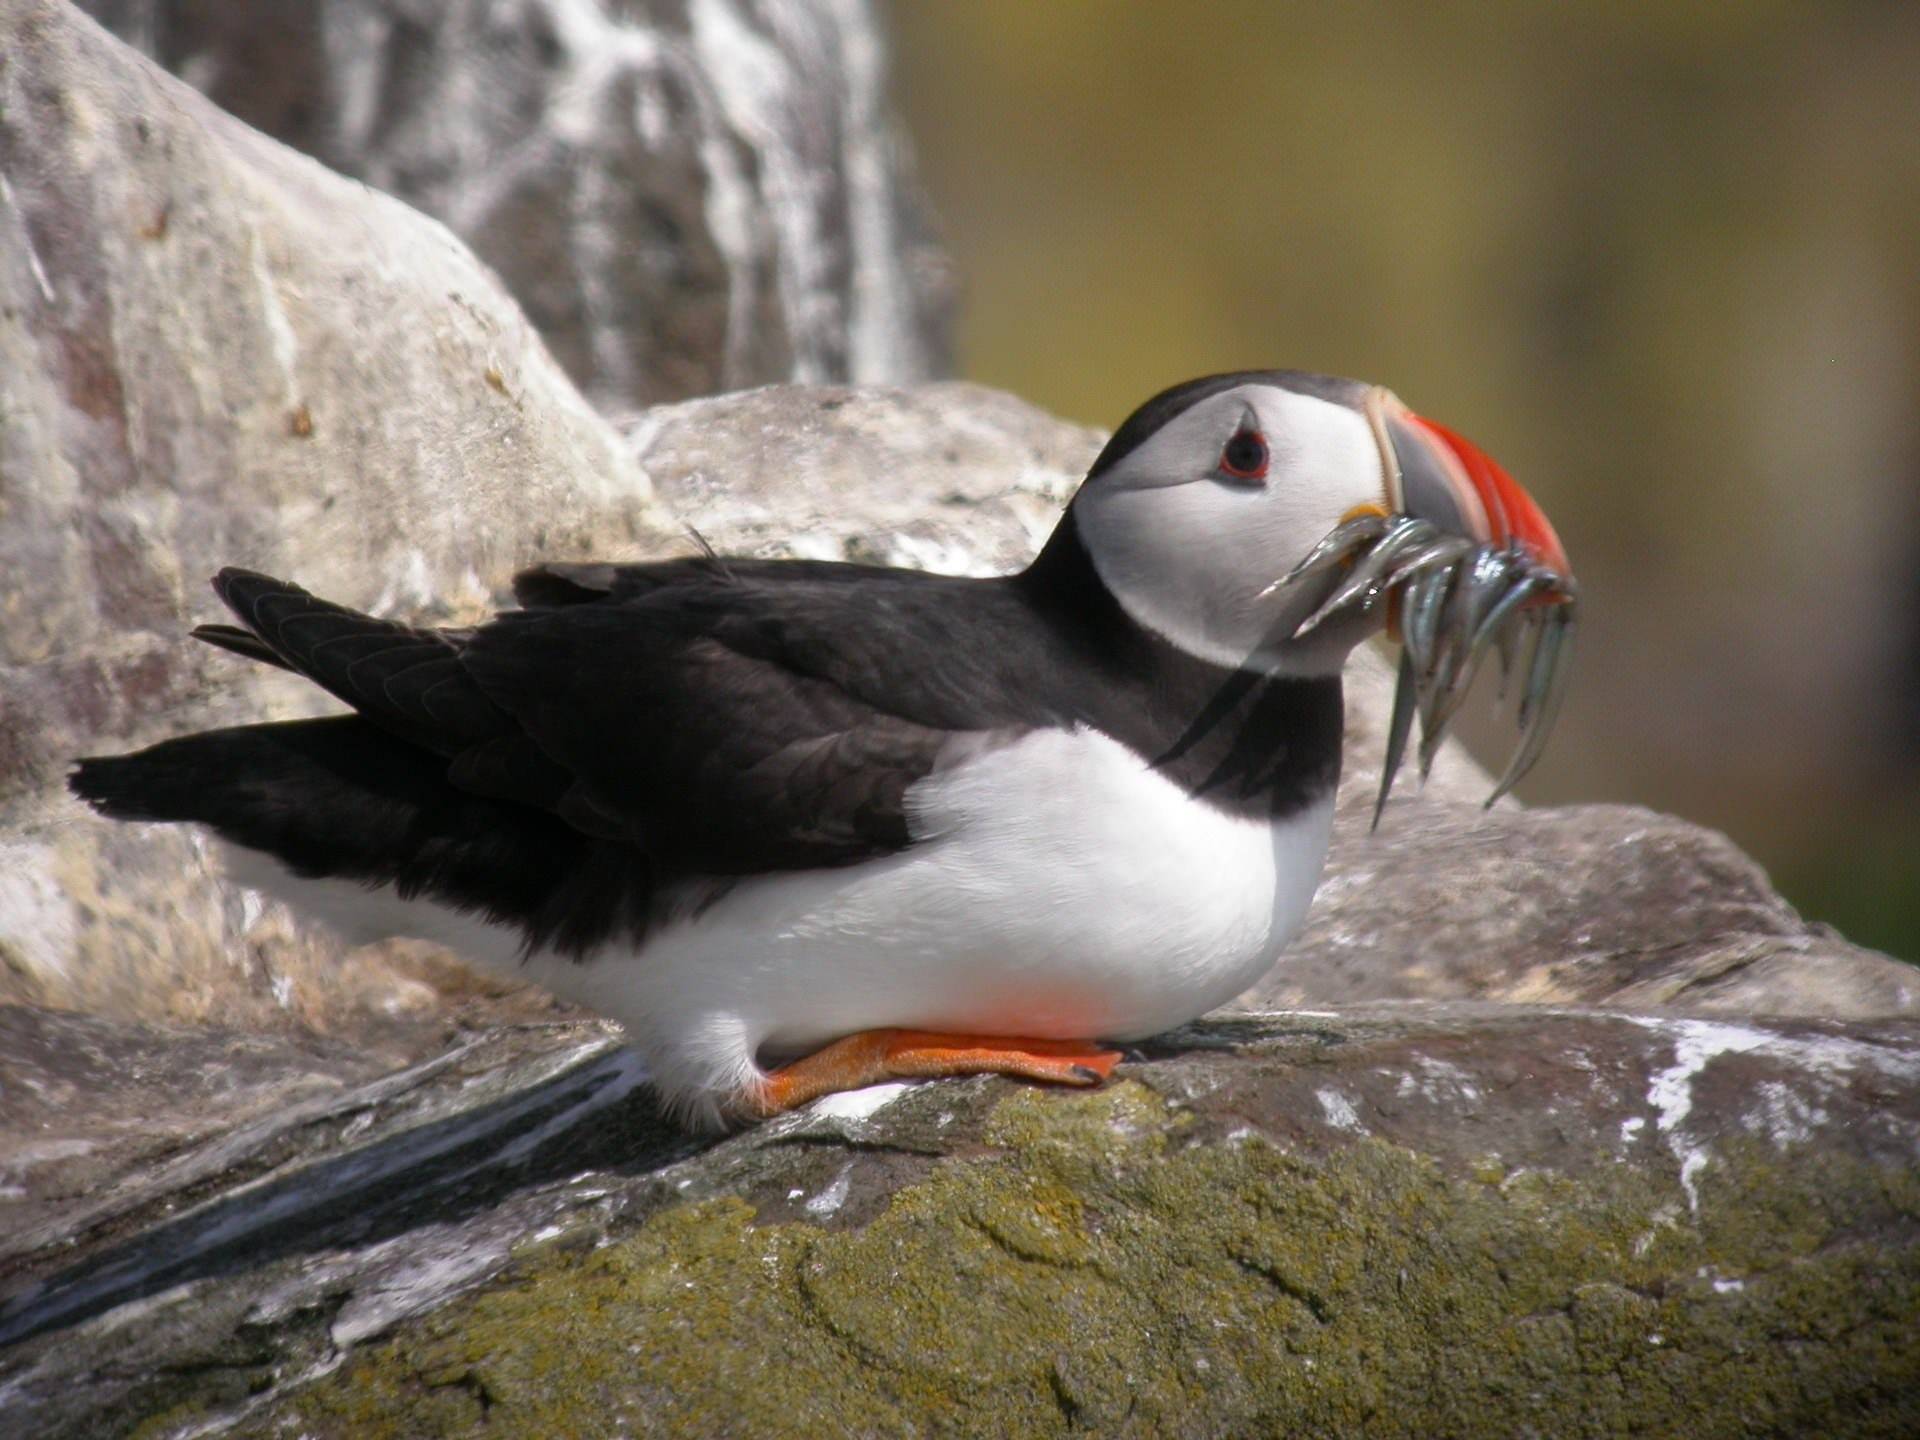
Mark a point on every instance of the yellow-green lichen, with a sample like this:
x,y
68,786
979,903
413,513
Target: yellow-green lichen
x,y
1101,1269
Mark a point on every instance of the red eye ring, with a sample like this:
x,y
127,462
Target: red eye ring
x,y
1245,456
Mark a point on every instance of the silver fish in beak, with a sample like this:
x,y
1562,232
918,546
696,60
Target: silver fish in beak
x,y
1463,562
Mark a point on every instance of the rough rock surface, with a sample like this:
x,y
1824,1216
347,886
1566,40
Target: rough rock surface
x,y
1583,904
951,476
216,352
1445,1218
1415,1220
684,195
87,1107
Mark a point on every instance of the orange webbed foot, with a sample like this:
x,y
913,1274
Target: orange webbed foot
x,y
873,1056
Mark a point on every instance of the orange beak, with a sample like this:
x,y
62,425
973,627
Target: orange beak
x,y
1447,479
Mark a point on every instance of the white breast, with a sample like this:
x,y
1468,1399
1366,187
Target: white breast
x,y
1059,888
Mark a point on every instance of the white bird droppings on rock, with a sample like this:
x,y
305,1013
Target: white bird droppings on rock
x,y
1696,1044
1440,1082
1339,1112
1784,1116
859,1104
834,1196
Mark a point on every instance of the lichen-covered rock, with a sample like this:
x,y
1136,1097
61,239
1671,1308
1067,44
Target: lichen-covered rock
x,y
684,195
1397,1221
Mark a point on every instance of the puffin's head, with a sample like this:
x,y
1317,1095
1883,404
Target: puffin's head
x,y
1214,490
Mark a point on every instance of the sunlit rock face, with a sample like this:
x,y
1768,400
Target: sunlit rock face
x,y
684,195
1573,904
215,351
228,355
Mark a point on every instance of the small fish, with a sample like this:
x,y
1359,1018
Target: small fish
x,y
1457,602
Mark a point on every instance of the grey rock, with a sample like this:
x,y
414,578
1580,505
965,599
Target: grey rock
x,y
1412,1220
1579,904
950,477
93,1113
213,351
221,332
684,195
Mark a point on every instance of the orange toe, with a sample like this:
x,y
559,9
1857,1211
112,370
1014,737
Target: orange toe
x,y
876,1055
1063,1062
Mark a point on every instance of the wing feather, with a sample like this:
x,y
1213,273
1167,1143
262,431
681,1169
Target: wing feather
x,y
673,707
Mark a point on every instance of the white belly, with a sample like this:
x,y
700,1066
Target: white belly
x,y
1058,887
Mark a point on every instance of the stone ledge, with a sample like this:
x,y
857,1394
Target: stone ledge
x,y
1421,1219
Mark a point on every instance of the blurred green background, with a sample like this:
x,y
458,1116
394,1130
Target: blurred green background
x,y
1662,260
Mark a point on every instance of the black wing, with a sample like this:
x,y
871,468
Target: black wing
x,y
717,722
611,753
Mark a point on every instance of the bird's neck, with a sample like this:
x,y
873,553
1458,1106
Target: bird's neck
x,y
1246,739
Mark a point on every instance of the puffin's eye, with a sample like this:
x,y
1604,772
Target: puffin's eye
x,y
1245,456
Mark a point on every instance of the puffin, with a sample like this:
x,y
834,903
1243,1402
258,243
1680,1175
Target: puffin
x,y
803,827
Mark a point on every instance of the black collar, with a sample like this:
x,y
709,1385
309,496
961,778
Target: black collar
x,y
1247,742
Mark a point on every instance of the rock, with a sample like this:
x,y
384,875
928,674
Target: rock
x,y
951,477
1391,1220
213,351
684,195
90,1111
216,1216
196,303
1581,904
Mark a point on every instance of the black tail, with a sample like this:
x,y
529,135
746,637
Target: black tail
x,y
340,798
407,680
240,642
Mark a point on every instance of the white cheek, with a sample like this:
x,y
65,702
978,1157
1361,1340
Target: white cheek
x,y
1195,561
1181,561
